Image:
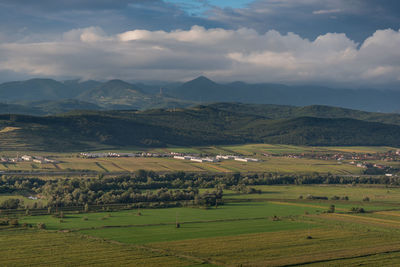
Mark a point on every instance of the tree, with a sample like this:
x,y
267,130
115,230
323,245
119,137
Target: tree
x,y
11,203
331,209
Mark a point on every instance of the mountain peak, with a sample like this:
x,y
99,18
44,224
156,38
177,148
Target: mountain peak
x,y
201,80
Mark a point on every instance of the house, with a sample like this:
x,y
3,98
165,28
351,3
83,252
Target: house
x,y
183,157
225,157
247,159
15,160
39,161
198,160
26,158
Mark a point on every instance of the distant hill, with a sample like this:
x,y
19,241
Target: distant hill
x,y
20,109
34,89
319,111
204,90
200,125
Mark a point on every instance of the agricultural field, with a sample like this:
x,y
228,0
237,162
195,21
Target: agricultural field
x,y
45,248
273,228
278,163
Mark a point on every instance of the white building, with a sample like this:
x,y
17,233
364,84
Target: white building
x,y
246,159
225,157
183,157
26,158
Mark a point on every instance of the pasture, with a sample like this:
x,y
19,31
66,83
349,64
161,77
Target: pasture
x,y
273,228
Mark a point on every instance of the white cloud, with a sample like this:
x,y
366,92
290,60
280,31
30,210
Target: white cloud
x,y
326,11
241,54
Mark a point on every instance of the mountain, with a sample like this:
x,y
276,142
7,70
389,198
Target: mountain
x,y
47,96
206,91
117,94
200,89
34,89
200,125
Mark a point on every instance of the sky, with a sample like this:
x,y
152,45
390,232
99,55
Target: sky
x,y
351,43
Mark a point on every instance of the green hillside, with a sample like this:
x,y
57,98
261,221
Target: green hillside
x,y
201,125
319,111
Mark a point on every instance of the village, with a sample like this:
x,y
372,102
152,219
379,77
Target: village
x,y
27,158
175,155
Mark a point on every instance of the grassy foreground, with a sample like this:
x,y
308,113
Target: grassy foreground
x,y
274,228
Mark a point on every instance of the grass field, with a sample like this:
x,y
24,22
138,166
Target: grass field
x,y
267,229
230,211
26,201
43,248
376,193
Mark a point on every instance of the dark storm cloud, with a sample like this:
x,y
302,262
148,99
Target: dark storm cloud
x,y
65,5
311,18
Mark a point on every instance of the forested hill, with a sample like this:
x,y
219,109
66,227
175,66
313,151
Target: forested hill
x,y
201,125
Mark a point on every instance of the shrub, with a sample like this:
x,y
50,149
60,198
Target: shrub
x,y
41,226
331,209
14,222
11,203
317,197
357,210
366,199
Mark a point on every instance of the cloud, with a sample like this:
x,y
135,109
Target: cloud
x,y
311,18
326,11
242,54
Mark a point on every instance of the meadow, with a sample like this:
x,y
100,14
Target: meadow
x,y
274,228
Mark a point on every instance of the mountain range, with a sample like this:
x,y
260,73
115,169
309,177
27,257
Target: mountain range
x,y
47,96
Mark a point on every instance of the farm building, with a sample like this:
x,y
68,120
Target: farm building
x,y
26,158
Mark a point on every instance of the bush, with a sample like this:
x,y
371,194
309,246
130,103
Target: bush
x,y
335,198
366,199
11,203
345,198
331,209
317,197
14,222
357,210
41,226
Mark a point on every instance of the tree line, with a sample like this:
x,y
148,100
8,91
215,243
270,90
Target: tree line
x,y
148,186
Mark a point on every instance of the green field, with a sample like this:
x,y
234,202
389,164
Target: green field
x,y
44,248
275,227
228,212
376,193
246,233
